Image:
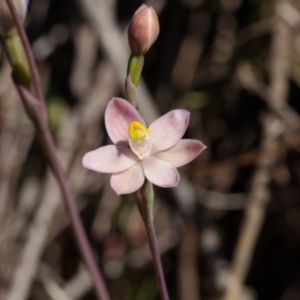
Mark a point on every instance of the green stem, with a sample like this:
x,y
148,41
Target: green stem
x,y
134,72
135,67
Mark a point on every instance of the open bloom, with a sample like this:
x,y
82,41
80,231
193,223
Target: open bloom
x,y
140,152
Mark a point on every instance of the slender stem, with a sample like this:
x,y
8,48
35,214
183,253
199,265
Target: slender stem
x,y
144,197
37,114
138,201
149,225
135,67
157,262
45,139
48,145
36,82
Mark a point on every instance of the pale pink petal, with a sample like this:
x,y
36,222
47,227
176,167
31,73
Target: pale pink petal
x,y
168,129
129,180
182,153
160,172
109,159
119,113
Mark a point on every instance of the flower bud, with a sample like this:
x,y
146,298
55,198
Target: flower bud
x,y
143,29
6,20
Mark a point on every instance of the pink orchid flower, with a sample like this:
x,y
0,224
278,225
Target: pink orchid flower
x,y
140,152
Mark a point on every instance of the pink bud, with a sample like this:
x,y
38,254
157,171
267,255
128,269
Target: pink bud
x,y
6,20
143,29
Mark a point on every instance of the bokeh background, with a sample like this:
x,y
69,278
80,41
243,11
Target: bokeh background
x,y
235,65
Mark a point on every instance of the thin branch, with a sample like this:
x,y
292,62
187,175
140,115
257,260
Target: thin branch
x,y
47,143
69,135
36,110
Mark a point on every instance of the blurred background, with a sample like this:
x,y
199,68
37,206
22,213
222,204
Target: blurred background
x,y
235,65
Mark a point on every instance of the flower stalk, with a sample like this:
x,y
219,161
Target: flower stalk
x,y
147,194
134,72
144,199
140,41
135,67
35,107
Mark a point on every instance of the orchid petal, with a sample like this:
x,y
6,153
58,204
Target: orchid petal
x,y
168,129
118,115
182,153
129,180
160,172
109,159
